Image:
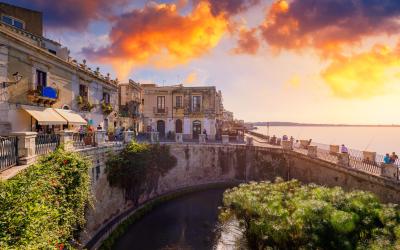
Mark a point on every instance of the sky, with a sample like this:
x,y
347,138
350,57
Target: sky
x,y
330,61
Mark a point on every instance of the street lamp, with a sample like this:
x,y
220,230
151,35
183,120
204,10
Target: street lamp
x,y
17,77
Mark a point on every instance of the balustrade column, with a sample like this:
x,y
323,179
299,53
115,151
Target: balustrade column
x,y
26,147
100,137
128,136
66,139
179,137
312,151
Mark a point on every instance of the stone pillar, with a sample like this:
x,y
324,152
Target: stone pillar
x,y
202,138
343,159
99,137
225,139
389,171
154,137
369,157
66,139
179,137
287,145
333,149
312,151
304,144
249,141
128,136
26,147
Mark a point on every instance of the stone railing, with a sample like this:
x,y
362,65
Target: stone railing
x,y
365,161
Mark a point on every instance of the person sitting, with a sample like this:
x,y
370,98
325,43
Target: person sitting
x,y
387,159
344,149
285,138
393,158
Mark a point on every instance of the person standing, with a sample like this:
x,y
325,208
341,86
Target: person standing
x,y
344,149
387,159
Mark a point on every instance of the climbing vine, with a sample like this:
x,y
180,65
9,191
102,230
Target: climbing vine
x,y
138,167
288,215
43,206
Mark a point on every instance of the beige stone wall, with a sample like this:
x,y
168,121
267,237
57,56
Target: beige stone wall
x,y
205,164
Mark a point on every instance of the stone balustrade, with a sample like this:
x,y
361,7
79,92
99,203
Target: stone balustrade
x,y
154,137
129,136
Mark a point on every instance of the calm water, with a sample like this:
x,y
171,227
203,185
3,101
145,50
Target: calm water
x,y
377,139
187,222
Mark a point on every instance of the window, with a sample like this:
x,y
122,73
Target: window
x,y
106,97
52,51
83,91
196,103
160,102
41,79
13,21
178,102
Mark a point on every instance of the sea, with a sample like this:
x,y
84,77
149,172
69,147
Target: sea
x,y
377,139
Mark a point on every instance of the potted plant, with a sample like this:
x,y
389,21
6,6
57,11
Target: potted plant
x,y
107,108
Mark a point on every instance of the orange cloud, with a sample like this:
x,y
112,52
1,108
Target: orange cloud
x,y
363,75
327,26
159,35
248,42
191,78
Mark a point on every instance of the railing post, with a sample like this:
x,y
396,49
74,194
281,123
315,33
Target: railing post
x,y
99,137
128,136
369,157
66,139
312,151
26,147
179,137
389,171
202,138
343,159
225,139
333,149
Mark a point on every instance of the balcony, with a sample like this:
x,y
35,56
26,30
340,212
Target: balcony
x,y
160,111
43,95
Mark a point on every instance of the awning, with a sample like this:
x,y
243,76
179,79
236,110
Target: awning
x,y
44,116
72,117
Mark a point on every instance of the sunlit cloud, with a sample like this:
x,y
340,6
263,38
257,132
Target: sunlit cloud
x,y
191,78
248,42
160,36
363,75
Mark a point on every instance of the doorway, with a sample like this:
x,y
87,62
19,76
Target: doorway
x,y
178,126
196,129
161,128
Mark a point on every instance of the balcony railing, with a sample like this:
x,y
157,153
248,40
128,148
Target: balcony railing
x,y
46,143
160,111
44,95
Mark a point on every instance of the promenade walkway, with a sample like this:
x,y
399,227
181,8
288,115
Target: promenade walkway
x,y
356,158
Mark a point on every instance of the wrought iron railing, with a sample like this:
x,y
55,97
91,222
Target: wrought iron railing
x,y
46,143
80,140
8,152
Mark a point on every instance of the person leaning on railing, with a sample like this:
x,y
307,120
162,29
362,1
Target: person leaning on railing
x,y
344,149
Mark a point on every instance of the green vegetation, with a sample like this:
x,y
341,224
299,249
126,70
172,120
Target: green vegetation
x,y
288,215
138,167
43,206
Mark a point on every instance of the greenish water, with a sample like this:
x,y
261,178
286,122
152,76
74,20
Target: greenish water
x,y
187,222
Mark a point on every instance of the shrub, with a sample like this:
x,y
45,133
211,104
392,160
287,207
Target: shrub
x,y
288,215
43,206
138,167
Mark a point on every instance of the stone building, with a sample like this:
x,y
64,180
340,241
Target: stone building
x,y
130,106
39,81
178,109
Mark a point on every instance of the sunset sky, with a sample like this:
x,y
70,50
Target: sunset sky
x,y
321,61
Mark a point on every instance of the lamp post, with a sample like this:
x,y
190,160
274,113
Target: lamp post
x,y
17,78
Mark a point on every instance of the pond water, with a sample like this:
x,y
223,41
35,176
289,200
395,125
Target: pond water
x,y
187,222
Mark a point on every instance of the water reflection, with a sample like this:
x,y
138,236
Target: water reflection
x,y
185,223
